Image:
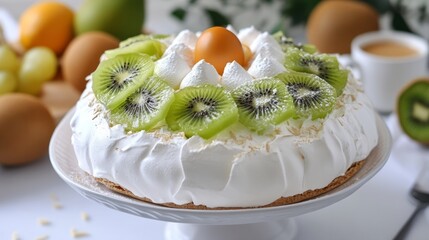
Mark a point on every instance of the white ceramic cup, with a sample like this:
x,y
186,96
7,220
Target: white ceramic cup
x,y
383,77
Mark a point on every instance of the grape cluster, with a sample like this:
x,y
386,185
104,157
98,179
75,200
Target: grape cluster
x,y
27,74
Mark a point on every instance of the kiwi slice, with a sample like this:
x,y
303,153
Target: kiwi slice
x,y
323,65
140,44
146,107
140,38
263,103
413,110
287,42
203,110
117,78
129,41
311,95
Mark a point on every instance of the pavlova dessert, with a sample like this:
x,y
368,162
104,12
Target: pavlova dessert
x,y
221,119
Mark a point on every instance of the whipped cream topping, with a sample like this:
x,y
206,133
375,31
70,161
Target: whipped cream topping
x,y
235,75
264,39
238,168
248,35
267,51
201,73
172,68
186,37
267,60
231,29
180,50
265,67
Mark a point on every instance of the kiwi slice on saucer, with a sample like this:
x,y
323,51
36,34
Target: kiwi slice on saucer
x,y
311,95
413,110
203,110
325,66
263,103
117,78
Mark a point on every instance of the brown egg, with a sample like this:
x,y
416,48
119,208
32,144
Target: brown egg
x,y
332,25
26,127
82,56
218,46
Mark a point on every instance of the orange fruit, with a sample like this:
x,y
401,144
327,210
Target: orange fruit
x,y
48,24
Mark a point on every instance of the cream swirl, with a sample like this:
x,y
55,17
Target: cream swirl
x,y
234,75
172,68
201,73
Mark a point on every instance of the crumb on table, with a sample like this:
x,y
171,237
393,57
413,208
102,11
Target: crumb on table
x,y
78,234
43,222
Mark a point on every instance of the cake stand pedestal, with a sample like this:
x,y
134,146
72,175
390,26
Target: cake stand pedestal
x,y
271,223
272,230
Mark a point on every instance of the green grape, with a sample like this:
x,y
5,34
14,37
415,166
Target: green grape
x,y
8,82
39,65
9,61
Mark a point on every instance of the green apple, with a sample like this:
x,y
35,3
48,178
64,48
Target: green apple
x,y
120,18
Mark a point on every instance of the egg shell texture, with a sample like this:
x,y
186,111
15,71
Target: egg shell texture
x,y
218,46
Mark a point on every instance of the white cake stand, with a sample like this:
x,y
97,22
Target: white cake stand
x,y
272,223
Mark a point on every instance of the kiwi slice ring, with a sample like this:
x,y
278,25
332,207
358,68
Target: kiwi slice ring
x,y
263,103
139,44
312,96
117,78
146,107
287,42
413,110
324,66
203,110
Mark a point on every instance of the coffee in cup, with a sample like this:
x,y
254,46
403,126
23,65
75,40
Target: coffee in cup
x,y
387,60
390,49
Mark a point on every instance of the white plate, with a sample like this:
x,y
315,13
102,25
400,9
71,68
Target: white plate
x,y
64,162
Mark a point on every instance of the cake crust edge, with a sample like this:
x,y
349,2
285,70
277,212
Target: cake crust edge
x,y
309,194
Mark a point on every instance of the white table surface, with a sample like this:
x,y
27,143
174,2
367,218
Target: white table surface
x,y
375,211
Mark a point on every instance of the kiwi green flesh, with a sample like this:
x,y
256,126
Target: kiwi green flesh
x,y
286,43
312,96
413,111
420,112
117,78
263,103
309,48
202,110
132,40
323,65
140,38
154,48
146,107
